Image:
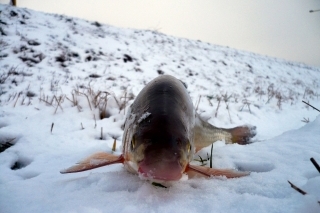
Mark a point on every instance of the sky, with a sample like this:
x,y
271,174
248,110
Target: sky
x,y
279,28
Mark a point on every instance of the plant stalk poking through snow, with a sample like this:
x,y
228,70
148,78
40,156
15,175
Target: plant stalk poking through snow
x,y
58,103
114,145
226,99
211,156
101,137
311,106
219,100
245,103
314,162
297,188
198,102
95,121
51,127
17,100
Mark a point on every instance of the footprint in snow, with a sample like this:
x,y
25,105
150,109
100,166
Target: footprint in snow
x,y
254,166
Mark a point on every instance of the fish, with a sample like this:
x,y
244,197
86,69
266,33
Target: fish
x,y
162,133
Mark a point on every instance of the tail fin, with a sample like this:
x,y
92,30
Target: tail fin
x,y
242,134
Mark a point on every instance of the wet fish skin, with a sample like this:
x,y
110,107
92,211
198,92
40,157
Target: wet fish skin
x,y
166,135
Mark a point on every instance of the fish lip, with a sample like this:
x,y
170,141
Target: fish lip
x,y
147,176
172,172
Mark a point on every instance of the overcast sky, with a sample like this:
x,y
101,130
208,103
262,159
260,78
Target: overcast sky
x,y
280,28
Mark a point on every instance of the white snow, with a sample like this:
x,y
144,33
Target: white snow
x,y
144,116
61,70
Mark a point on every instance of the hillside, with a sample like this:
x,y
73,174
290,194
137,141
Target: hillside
x,y
63,79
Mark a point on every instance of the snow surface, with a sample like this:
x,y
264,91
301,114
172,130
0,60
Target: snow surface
x,y
55,68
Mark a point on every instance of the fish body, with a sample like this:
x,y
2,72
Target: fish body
x,y
158,139
162,132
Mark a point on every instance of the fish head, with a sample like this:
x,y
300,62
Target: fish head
x,y
158,133
158,154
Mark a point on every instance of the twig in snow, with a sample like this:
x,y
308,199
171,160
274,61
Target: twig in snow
x,y
74,100
96,100
280,99
300,190
246,103
101,133
122,104
198,102
211,156
52,127
58,101
52,100
87,99
17,99
125,103
114,145
314,162
219,100
95,121
311,106
45,101
22,102
271,92
209,100
297,188
203,162
158,185
226,99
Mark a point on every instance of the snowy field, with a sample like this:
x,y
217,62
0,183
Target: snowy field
x,y
64,80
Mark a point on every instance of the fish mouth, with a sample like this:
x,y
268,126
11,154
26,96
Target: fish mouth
x,y
161,170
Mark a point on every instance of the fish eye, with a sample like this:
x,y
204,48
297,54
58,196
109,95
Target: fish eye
x,y
133,143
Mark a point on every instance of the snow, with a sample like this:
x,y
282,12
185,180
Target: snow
x,y
144,116
67,72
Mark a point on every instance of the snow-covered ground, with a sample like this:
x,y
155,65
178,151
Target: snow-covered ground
x,y
58,74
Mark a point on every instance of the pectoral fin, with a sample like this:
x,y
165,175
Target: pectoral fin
x,y
94,161
193,170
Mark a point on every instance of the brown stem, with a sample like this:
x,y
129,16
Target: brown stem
x,y
311,106
314,162
297,188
